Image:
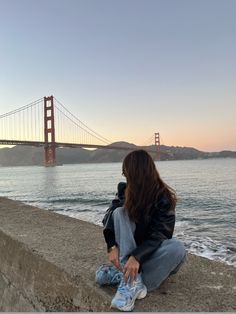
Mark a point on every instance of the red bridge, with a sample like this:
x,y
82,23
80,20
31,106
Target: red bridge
x,y
36,124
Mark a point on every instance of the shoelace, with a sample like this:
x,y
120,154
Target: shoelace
x,y
117,277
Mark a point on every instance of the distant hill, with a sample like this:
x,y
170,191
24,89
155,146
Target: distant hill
x,y
28,156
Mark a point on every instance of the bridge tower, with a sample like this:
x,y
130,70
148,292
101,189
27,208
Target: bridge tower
x,y
49,132
158,145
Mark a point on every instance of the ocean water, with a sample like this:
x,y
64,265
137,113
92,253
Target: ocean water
x,y
206,190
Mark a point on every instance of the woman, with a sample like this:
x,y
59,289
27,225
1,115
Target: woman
x,y
138,229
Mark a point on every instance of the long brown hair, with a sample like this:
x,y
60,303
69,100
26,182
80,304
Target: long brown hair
x,y
144,186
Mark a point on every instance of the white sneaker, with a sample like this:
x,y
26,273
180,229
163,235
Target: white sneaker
x,y
108,275
126,294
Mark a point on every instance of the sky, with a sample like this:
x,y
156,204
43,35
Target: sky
x,y
127,68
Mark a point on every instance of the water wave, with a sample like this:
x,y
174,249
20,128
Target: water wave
x,y
209,248
206,191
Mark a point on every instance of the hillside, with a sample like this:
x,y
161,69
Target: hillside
x,y
28,156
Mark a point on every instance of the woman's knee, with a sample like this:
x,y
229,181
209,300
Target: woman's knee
x,y
119,216
175,249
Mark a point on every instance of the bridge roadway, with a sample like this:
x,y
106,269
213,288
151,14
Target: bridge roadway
x,y
72,145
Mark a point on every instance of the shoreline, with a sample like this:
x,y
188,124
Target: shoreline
x,y
224,262
48,262
117,162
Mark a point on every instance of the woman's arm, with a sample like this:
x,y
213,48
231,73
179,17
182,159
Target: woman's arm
x,y
161,228
108,225
113,256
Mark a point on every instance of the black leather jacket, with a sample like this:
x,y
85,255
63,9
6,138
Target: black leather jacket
x,y
150,233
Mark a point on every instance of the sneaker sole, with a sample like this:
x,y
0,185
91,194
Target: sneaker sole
x,y
128,308
142,294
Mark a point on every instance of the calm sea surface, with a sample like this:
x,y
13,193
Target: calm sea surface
x,y
206,211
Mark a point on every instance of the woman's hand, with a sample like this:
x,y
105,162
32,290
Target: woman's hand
x,y
131,269
113,257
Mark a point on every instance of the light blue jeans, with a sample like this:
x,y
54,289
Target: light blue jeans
x,y
165,261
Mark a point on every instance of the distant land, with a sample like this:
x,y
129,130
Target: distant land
x,y
28,156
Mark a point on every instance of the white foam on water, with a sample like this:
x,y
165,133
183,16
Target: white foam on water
x,y
210,249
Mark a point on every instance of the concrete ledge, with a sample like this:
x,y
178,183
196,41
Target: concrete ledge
x,y
48,261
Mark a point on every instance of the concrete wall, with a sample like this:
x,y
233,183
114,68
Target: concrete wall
x,y
48,261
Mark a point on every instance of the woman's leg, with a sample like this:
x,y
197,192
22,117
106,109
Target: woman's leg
x,y
127,293
124,233
162,263
124,229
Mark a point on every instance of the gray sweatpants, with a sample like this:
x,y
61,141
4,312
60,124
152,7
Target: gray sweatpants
x,y
166,260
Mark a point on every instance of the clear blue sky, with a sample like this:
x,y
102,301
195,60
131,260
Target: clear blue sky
x,y
127,68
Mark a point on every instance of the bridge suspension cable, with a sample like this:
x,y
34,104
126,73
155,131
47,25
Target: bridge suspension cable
x,y
149,141
32,104
161,140
79,124
27,124
24,123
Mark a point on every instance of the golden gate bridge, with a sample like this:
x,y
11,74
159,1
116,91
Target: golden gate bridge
x,y
48,123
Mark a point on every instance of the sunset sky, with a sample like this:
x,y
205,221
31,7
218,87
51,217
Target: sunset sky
x,y
127,68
